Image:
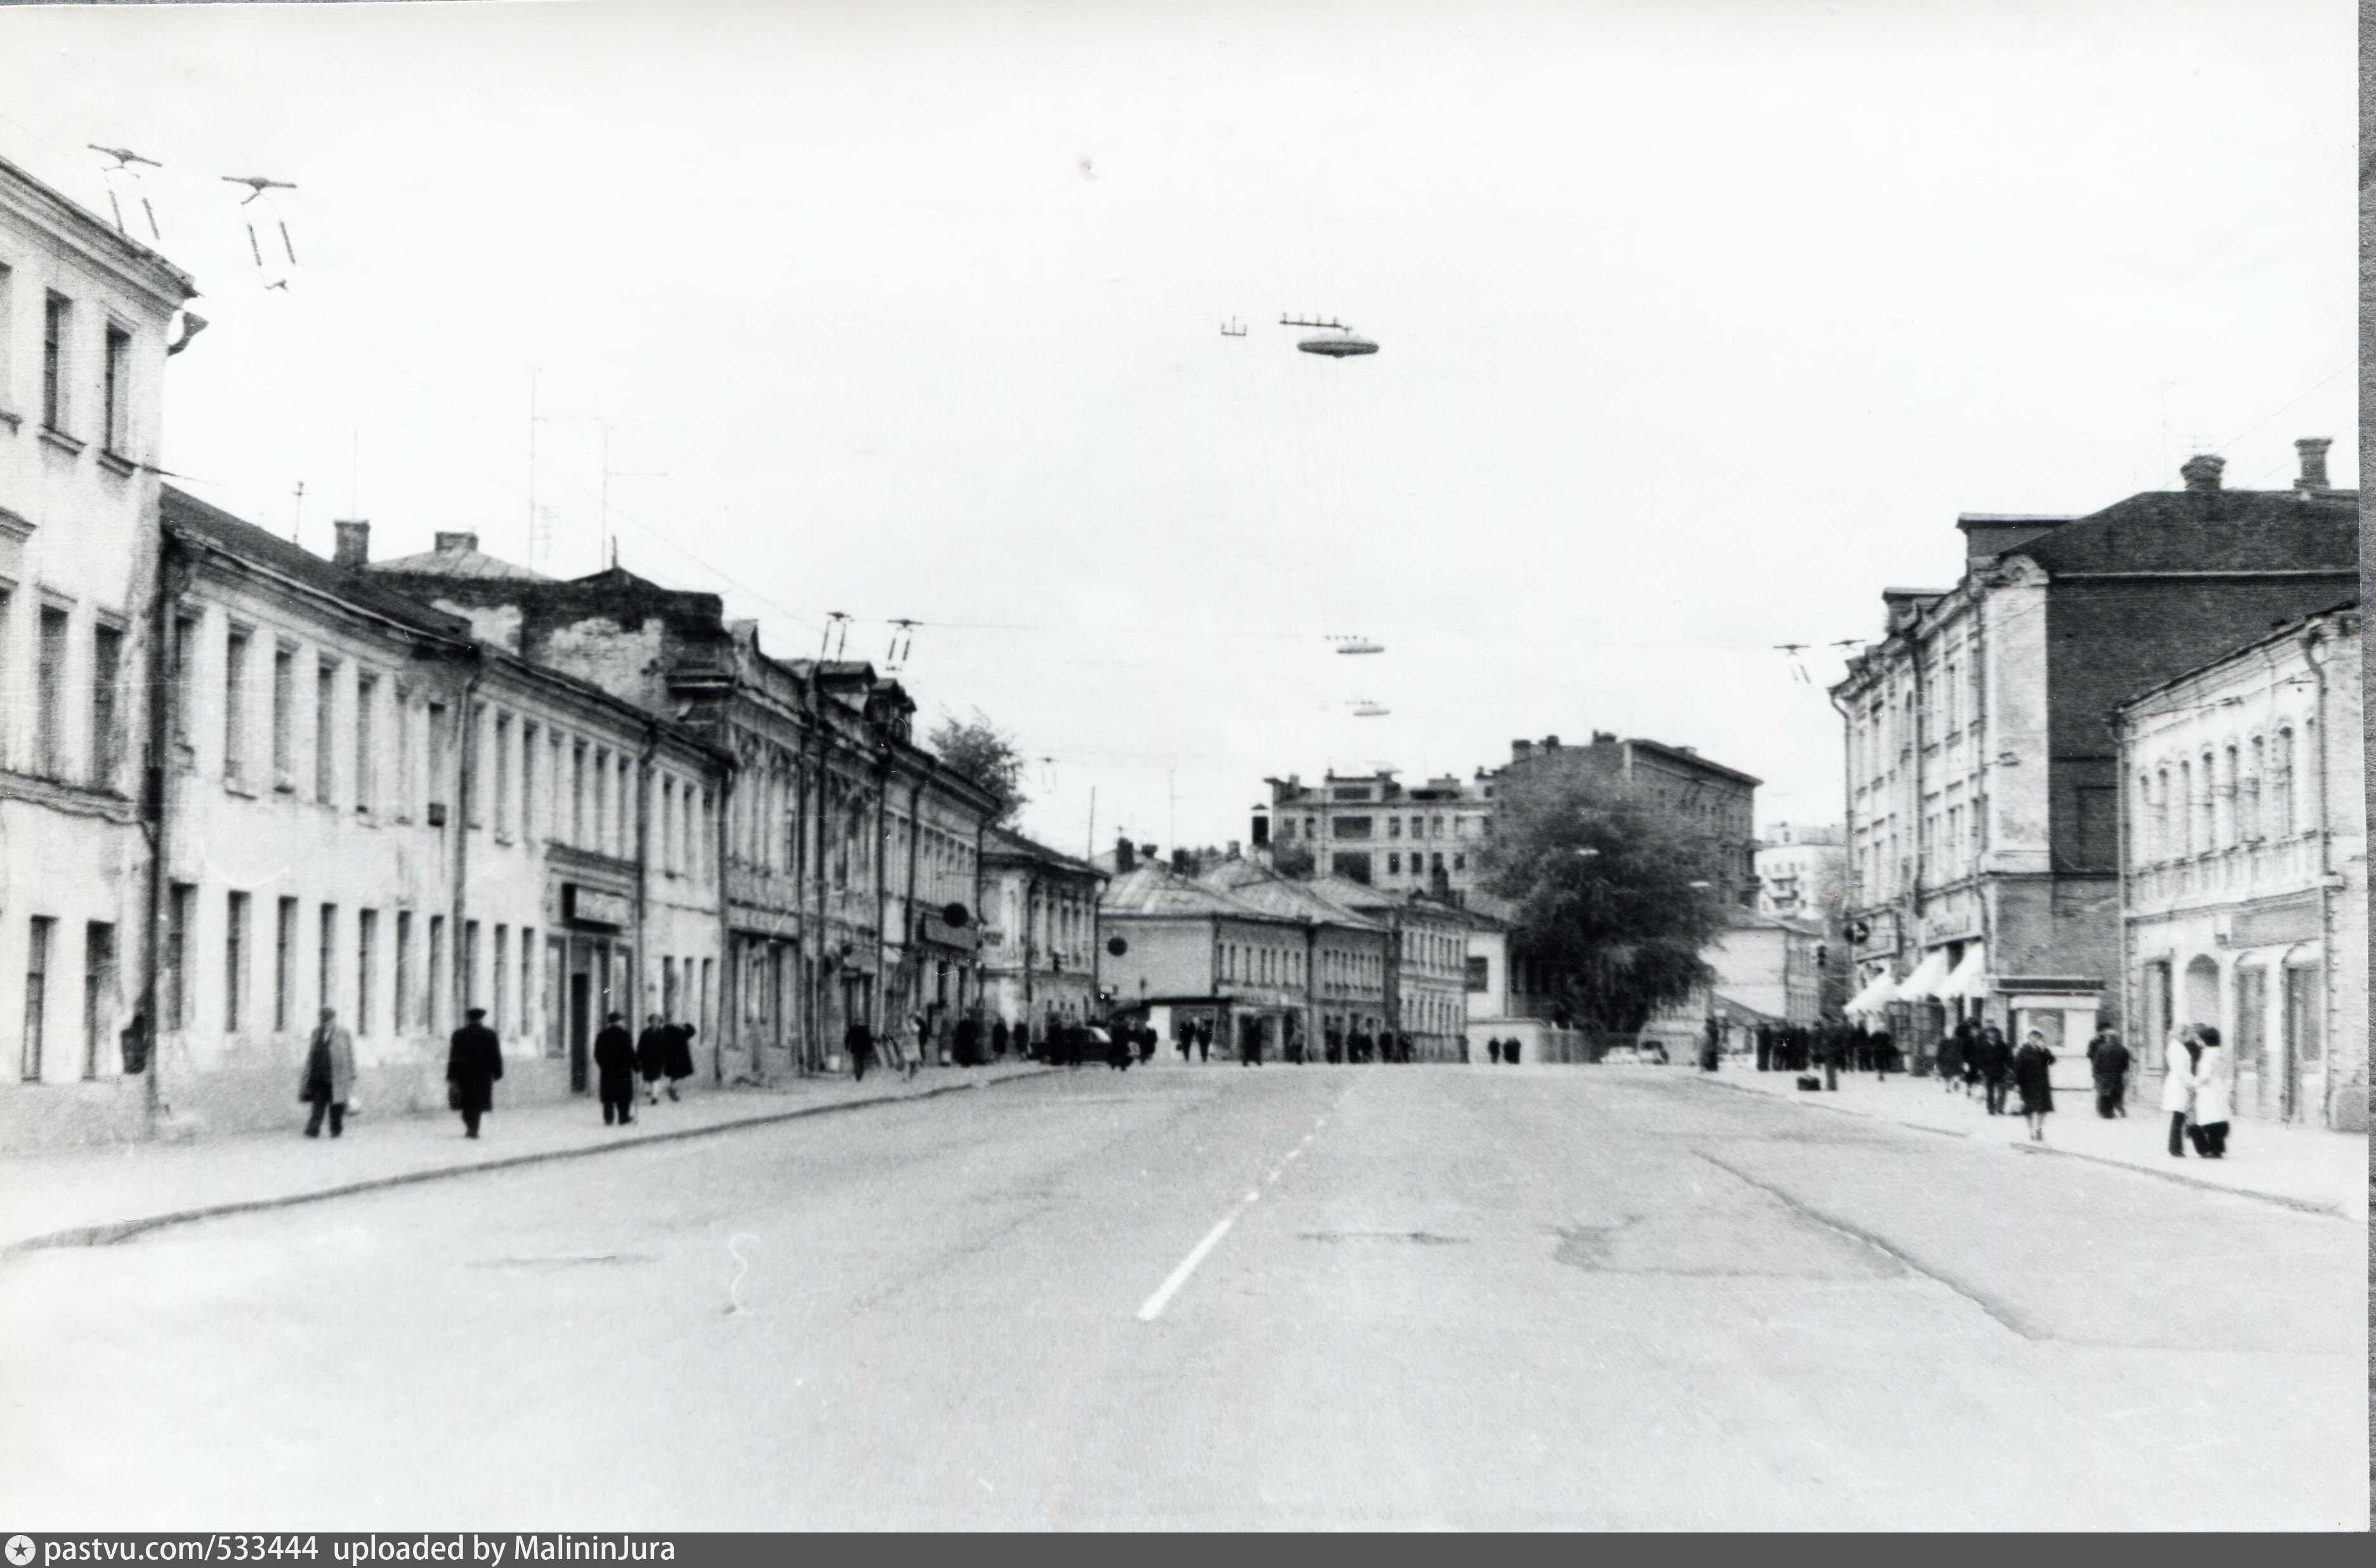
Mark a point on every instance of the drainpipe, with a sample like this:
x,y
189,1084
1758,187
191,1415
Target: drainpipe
x,y
908,924
722,848
882,886
644,850
2124,950
464,784
2311,637
157,791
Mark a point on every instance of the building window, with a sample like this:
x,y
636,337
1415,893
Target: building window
x,y
1350,826
432,1007
1394,865
366,722
116,385
2281,785
2210,805
172,1005
284,965
502,807
529,737
602,840
234,962
436,723
98,992
37,997
2248,799
325,977
366,953
1394,827
185,641
106,714
49,695
405,784
502,976
527,1024
401,1003
325,702
57,324
468,961
284,716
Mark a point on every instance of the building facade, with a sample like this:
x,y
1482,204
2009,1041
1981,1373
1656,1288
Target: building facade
x,y
86,322
2245,869
1039,933
1346,973
1802,872
1983,792
1194,958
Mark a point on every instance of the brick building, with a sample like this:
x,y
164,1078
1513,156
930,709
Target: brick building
x,y
1983,784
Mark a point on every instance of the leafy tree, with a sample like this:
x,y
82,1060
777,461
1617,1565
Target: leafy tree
x,y
984,756
1293,860
1603,877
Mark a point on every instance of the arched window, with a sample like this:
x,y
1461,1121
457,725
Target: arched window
x,y
2281,785
2230,798
2182,809
2208,839
2147,847
2247,796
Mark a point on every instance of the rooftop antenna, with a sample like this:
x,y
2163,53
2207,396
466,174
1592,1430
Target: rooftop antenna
x,y
1233,328
125,160
256,186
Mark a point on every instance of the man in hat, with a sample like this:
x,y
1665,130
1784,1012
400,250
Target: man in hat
x,y
474,1059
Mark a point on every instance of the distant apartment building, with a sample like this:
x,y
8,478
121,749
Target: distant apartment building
x,y
2245,862
1372,829
1039,933
1984,783
1801,871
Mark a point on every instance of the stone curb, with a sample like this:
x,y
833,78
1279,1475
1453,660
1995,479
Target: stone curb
x,y
115,1231
2305,1205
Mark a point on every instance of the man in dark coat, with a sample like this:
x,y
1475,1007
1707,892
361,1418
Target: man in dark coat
x,y
679,1055
969,1041
329,1074
998,1040
614,1068
2108,1060
1021,1039
651,1057
1996,1067
858,1041
474,1059
1950,1056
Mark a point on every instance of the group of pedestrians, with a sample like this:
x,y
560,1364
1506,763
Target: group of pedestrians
x,y
1500,1050
2198,1089
474,1059
662,1050
1833,1047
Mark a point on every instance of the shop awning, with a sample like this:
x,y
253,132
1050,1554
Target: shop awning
x,y
1868,1003
1928,977
1971,976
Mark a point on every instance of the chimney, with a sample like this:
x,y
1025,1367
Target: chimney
x,y
1550,743
353,548
1521,750
457,543
1234,851
1183,862
1125,858
1262,830
1604,737
2201,471
2313,462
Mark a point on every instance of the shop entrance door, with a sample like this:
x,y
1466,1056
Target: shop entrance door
x,y
581,1001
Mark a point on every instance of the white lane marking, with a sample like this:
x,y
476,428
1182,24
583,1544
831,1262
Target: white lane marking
x,y
1295,1153
1169,1288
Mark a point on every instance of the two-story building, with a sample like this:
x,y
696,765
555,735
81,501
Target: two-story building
x,y
1039,933
86,321
2245,869
1347,971
1196,959
1983,785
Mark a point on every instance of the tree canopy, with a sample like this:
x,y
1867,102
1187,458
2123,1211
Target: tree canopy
x,y
1603,877
985,756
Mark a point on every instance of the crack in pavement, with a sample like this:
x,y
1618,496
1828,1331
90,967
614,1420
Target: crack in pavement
x,y
2003,1315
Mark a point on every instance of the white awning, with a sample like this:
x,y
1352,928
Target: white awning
x,y
1971,976
1929,976
1868,1003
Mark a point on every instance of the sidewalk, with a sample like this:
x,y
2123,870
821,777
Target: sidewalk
x,y
2304,1166
87,1197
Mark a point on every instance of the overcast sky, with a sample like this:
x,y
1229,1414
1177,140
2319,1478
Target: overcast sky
x,y
1699,324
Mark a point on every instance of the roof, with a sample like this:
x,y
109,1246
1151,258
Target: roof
x,y
458,564
192,519
2195,531
171,282
1157,890
1294,899
1002,843
2283,631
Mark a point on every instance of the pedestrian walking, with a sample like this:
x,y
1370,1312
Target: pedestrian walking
x,y
969,1041
679,1055
1204,1042
651,1057
2215,1093
858,1040
328,1077
915,1061
2033,1074
474,1059
2108,1060
1494,1051
1021,1040
998,1039
1510,1050
615,1070
1951,1058
2178,1054
1884,1055
1996,1068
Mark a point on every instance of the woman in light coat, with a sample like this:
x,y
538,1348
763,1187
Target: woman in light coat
x,y
2214,1095
2178,1058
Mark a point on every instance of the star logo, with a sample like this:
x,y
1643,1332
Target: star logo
x,y
21,1551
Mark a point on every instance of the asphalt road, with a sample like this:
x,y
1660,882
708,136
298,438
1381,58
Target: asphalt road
x,y
1444,1298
